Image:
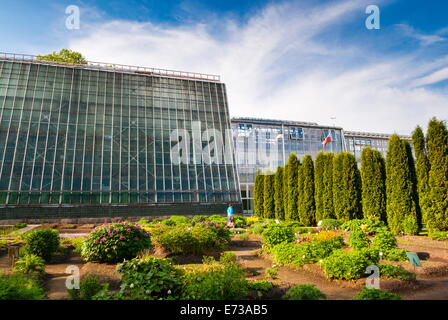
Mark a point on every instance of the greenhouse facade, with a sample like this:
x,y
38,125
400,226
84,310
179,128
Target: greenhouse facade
x,y
97,140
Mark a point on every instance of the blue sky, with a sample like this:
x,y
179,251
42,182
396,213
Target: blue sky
x,y
306,60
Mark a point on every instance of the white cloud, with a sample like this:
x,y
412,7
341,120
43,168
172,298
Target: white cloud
x,y
274,65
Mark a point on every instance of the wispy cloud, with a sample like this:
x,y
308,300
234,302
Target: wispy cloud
x,y
425,39
277,64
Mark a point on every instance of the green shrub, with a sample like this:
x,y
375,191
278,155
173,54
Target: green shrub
x,y
271,273
384,241
286,253
347,265
260,285
439,235
366,225
176,221
398,272
221,231
358,240
196,240
227,257
215,281
115,242
19,287
395,255
77,243
304,253
375,294
329,224
239,221
88,288
216,218
149,278
304,292
42,242
20,225
302,230
30,264
197,219
259,227
276,234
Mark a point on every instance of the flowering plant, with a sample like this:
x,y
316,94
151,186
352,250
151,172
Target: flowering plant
x,y
115,242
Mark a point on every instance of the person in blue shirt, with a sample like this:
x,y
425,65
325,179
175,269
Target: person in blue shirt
x,y
230,215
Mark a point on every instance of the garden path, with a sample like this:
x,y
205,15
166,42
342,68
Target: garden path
x,y
55,285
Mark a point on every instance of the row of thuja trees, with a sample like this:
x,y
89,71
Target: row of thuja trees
x,y
400,191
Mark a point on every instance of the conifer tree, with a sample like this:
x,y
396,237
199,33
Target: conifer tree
x,y
437,147
285,189
258,194
422,170
292,169
268,195
373,177
319,187
328,212
306,203
400,202
278,195
410,228
346,187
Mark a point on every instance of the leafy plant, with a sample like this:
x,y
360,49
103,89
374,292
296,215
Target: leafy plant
x,y
271,273
366,225
375,294
227,257
88,288
115,242
276,234
395,255
398,272
329,224
19,287
304,292
384,241
304,253
260,285
439,235
42,242
358,240
149,278
197,219
176,221
30,264
215,281
20,225
347,265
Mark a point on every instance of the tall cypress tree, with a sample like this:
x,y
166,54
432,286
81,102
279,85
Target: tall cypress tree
x,y
319,187
401,206
373,176
346,187
338,185
268,195
409,228
328,187
437,215
422,170
278,196
292,169
306,204
285,189
258,194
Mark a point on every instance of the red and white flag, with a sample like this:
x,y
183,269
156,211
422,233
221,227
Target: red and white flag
x,y
327,139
